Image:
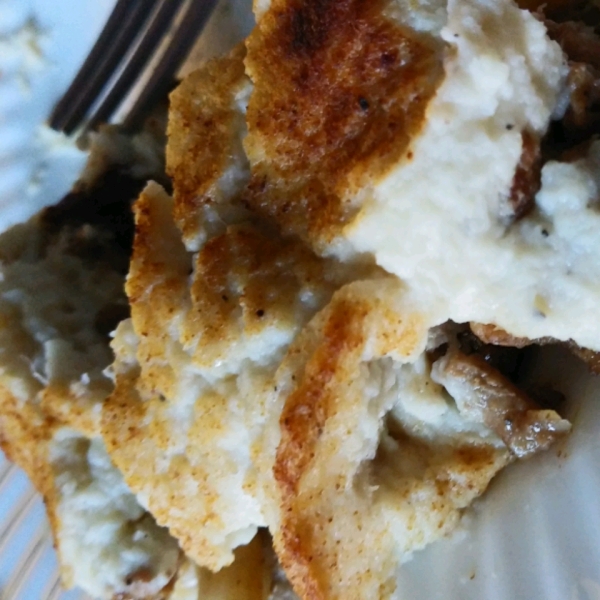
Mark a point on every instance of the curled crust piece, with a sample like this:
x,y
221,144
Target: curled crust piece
x,y
30,437
491,334
374,460
340,90
191,423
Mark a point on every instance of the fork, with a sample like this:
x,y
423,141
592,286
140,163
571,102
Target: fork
x,y
141,37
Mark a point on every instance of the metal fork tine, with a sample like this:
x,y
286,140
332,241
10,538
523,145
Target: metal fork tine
x,y
160,82
151,39
124,34
119,13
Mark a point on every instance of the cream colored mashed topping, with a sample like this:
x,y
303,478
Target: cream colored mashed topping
x,y
441,221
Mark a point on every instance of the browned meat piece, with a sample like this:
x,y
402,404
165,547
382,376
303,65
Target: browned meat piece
x,y
584,84
527,180
484,394
581,44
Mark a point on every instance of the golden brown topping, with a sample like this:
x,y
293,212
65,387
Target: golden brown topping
x,y
204,131
314,468
208,341
308,407
361,482
245,281
340,91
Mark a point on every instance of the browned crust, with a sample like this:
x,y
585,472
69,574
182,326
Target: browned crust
x,y
334,537
302,422
269,271
491,334
201,120
58,402
244,282
25,436
340,91
157,282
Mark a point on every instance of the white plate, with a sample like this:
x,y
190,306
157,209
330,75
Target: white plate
x,y
534,536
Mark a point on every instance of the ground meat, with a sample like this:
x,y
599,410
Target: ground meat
x,y
527,180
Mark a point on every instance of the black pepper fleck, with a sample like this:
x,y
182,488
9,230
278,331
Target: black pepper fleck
x,y
364,103
260,313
